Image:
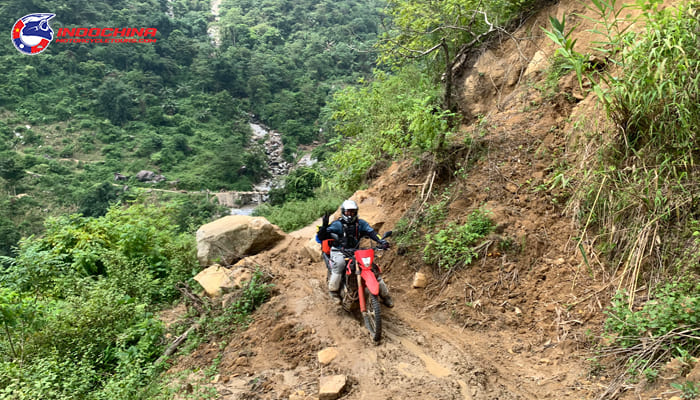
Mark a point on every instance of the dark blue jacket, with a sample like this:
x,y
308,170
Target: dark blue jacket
x,y
354,233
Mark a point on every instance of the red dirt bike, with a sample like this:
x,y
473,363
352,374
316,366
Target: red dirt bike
x,y
360,280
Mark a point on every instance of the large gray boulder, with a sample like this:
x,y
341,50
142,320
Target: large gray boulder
x,y
231,238
144,175
149,176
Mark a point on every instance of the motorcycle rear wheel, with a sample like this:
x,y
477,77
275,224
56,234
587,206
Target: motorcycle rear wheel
x,y
373,317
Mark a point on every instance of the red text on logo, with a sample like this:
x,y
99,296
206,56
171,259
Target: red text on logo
x,y
106,32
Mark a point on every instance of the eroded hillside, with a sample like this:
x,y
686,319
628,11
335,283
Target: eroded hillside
x,y
519,323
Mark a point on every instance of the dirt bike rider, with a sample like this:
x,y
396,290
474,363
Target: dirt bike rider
x,y
350,229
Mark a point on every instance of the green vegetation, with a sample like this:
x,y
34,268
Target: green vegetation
x,y
674,308
453,246
298,185
411,230
394,115
181,106
79,295
666,326
77,305
437,33
645,187
296,214
565,57
286,57
689,390
647,180
79,113
390,116
216,324
410,110
237,315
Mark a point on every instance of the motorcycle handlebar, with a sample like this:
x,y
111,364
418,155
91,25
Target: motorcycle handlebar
x,y
351,252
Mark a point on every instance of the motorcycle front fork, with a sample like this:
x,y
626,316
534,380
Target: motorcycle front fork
x,y
360,293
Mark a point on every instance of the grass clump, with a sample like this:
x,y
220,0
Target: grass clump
x,y
644,188
248,299
674,307
453,246
666,326
647,181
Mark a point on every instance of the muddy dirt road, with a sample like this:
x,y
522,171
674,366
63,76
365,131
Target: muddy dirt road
x,y
424,353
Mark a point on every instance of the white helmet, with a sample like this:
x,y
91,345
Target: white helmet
x,y
349,211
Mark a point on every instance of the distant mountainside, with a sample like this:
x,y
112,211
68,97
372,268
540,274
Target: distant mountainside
x,y
76,114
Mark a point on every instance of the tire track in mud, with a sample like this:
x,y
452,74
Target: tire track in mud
x,y
415,359
476,372
450,357
418,357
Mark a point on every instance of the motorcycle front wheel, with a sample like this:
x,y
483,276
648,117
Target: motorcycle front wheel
x,y
373,318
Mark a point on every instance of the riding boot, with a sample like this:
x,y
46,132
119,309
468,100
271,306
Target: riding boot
x,y
384,294
334,286
335,297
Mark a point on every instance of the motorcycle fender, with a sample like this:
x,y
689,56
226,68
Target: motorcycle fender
x,y
370,281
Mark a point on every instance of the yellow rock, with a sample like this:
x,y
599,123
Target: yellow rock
x,y
331,387
299,395
327,355
419,280
213,279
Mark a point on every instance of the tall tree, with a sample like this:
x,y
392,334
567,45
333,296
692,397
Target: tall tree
x,y
422,29
11,169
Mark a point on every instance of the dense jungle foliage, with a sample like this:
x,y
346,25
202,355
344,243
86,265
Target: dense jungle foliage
x,y
78,300
78,306
78,113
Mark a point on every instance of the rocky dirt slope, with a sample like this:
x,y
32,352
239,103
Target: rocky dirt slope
x,y
515,344
518,324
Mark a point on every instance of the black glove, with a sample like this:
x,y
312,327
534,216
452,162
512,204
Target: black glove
x,y
383,244
323,229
